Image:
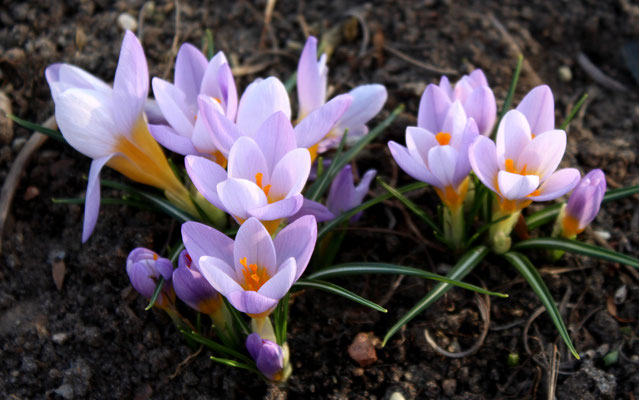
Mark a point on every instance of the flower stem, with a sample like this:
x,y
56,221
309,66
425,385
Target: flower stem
x,y
499,233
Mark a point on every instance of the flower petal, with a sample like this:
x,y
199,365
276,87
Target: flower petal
x,y
202,240
175,108
513,135
254,242
558,184
462,168
170,139
316,125
433,108
311,89
368,101
260,100
250,302
312,208
281,282
246,160
131,82
202,139
478,78
206,175
223,131
290,174
280,209
275,138
444,84
544,153
238,196
190,65
455,122
483,160
442,161
419,142
481,106
515,186
539,108
92,198
62,77
216,272
414,168
297,240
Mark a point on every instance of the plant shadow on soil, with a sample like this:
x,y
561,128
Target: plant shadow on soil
x,y
93,339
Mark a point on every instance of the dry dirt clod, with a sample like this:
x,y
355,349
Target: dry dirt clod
x,y
6,123
31,193
362,350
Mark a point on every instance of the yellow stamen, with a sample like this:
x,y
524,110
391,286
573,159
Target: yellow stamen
x,y
451,197
258,181
254,276
313,151
510,165
443,138
570,226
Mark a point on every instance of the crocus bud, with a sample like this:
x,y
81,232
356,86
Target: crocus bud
x,y
344,195
268,356
191,287
583,204
145,268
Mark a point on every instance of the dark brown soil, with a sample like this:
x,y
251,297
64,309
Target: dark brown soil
x,y
93,339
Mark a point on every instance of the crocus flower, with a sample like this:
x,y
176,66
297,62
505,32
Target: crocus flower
x,y
520,168
268,356
538,106
440,157
474,94
109,126
145,268
266,175
367,101
584,203
260,101
186,133
253,272
191,287
344,195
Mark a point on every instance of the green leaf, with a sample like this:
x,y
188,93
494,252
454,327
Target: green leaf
x,y
348,214
220,348
338,290
175,252
411,206
358,269
574,111
616,194
38,128
573,246
483,229
209,44
280,315
531,275
235,364
156,293
237,317
509,96
291,82
323,181
464,266
103,200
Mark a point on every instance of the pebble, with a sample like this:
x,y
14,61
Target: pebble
x,y
565,74
362,350
60,338
65,391
397,396
127,22
18,143
449,386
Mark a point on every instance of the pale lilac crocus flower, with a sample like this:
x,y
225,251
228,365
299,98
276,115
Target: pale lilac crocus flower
x,y
191,287
344,195
255,271
186,132
145,268
474,94
538,106
268,356
367,102
583,204
520,169
109,126
440,157
266,175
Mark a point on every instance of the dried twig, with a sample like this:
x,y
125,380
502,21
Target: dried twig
x,y
176,40
422,65
597,75
553,373
359,16
268,16
13,177
250,69
185,361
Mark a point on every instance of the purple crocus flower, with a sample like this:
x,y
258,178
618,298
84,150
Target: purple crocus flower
x,y
191,287
268,356
474,94
521,169
266,175
253,272
440,159
186,133
109,126
344,195
584,203
145,268
367,100
538,106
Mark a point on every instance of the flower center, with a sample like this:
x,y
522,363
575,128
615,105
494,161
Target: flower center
x,y
258,180
254,276
443,138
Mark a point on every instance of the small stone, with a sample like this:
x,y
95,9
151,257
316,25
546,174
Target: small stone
x,y
449,386
65,391
60,338
6,123
358,371
18,143
127,22
31,193
397,396
565,74
362,350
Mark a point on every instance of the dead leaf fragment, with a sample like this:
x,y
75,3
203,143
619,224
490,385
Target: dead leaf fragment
x,y
362,350
6,123
58,269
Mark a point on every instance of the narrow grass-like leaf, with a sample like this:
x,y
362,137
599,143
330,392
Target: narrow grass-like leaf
x,y
209,44
362,268
220,348
531,275
175,251
574,246
156,293
411,206
103,200
509,97
38,128
323,181
338,290
464,266
616,194
574,111
348,214
483,229
235,364
281,319
237,317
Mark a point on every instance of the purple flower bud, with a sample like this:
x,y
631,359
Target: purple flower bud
x,y
344,195
268,356
145,268
193,289
584,203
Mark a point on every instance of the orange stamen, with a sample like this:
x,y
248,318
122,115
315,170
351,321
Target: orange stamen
x,y
443,138
258,181
254,276
510,165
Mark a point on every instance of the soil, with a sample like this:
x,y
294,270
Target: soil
x,y
93,339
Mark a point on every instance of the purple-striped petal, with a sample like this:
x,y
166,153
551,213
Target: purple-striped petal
x,y
206,175
414,168
483,160
131,82
92,197
171,140
297,240
433,108
316,125
216,272
280,209
543,154
539,108
260,100
419,142
280,283
174,106
311,89
442,161
254,242
239,196
246,160
202,240
222,130
481,106
558,184
367,102
275,138
513,135
290,174
190,65
462,168
250,302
